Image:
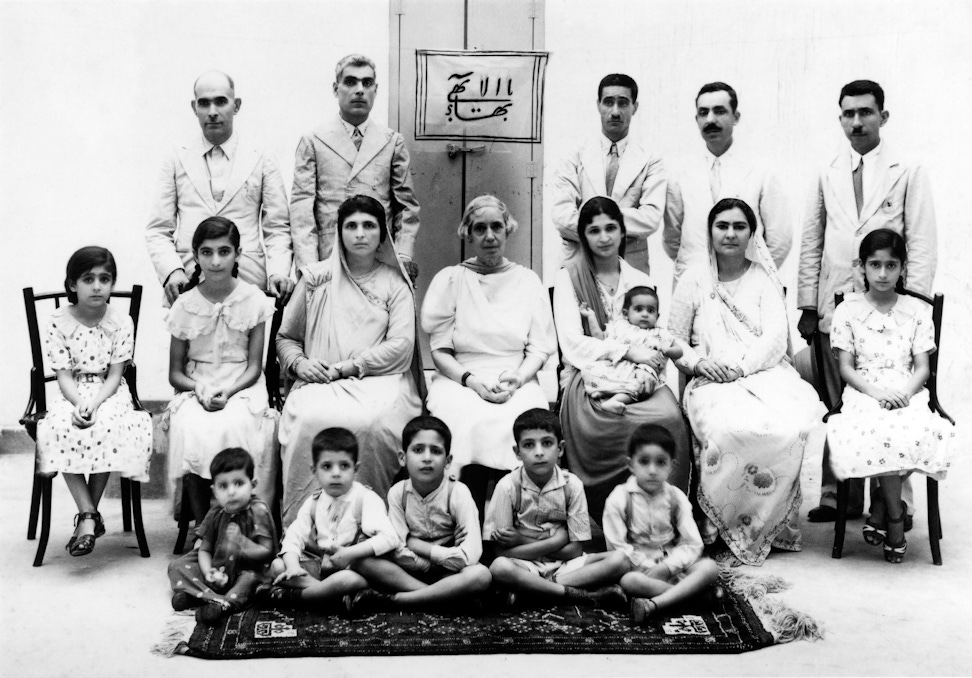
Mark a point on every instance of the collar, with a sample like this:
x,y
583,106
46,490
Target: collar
x,y
631,486
349,128
228,147
67,324
724,159
606,145
871,155
558,479
903,311
327,500
411,488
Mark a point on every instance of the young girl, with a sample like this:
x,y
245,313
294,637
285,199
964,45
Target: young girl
x,y
882,341
91,426
651,523
616,384
216,367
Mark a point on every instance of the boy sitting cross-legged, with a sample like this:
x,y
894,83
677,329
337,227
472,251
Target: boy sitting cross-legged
x,y
339,529
537,518
436,518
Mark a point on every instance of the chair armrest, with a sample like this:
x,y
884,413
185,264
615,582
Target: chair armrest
x,y
130,376
936,407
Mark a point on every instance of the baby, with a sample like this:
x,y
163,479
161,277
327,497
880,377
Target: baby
x,y
615,383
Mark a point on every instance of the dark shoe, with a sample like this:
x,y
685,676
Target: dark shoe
x,y
183,601
608,597
822,514
367,601
277,596
642,609
210,613
99,526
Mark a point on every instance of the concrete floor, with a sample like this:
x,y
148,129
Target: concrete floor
x,y
99,615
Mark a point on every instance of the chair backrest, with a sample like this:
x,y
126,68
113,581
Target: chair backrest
x,y
271,368
560,356
39,376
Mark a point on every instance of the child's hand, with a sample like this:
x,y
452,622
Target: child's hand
x,y
586,310
459,535
217,577
217,402
84,414
330,547
891,399
292,572
340,558
507,537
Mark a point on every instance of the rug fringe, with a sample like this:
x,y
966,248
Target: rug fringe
x,y
785,623
176,632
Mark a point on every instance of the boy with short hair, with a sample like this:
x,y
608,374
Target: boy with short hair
x,y
235,541
436,519
650,522
538,518
339,529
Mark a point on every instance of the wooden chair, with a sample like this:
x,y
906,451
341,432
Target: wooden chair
x,y
40,500
934,517
275,398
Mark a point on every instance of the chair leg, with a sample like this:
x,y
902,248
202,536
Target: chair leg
x,y
47,489
126,497
136,507
934,522
35,497
185,514
840,524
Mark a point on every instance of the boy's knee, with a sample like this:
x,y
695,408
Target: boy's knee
x,y
710,568
628,579
277,567
479,578
502,569
619,562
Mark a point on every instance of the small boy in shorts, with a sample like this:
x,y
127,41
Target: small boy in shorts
x,y
436,519
339,529
537,519
650,522
235,542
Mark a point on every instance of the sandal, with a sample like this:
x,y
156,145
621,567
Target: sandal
x,y
642,609
83,545
874,534
895,553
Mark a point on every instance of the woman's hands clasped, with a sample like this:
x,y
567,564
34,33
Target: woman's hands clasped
x,y
316,371
717,371
497,390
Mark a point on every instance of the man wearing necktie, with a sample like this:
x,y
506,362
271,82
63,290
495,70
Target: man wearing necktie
x,y
220,173
351,154
699,180
866,187
615,166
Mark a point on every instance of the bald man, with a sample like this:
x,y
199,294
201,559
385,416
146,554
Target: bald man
x,y
220,173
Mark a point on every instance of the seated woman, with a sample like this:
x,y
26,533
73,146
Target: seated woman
x,y
597,440
749,410
491,330
348,336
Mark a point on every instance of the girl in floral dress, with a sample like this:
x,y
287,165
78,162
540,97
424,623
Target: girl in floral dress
x,y
882,340
216,367
91,427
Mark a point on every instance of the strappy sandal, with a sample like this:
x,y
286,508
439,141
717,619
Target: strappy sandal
x,y
873,534
895,553
83,545
642,609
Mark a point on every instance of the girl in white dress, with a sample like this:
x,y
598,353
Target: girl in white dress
x,y
216,368
882,341
91,427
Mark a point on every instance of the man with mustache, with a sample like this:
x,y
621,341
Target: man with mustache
x,y
722,170
615,166
866,187
347,156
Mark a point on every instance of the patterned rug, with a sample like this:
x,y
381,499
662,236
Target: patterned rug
x,y
731,626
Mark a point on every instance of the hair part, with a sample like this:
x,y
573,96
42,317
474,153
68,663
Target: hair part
x,y
353,60
535,419
366,205
727,204
618,80
213,228
719,87
652,434
232,459
590,209
82,261
637,291
334,439
426,423
477,205
883,239
860,88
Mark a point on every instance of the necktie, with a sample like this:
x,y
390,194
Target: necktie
x,y
217,162
612,169
715,181
859,186
357,137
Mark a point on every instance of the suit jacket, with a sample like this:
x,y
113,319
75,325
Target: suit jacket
x,y
639,190
254,199
900,199
328,170
685,235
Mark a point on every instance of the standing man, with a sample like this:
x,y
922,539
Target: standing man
x,y
614,166
866,187
220,174
346,156
722,170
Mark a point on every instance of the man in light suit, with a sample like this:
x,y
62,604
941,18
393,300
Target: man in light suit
x,y
723,170
346,156
614,166
220,173
866,187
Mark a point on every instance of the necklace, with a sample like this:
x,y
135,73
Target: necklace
x,y
608,286
367,276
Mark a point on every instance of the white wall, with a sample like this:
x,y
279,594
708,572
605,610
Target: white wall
x,y
93,93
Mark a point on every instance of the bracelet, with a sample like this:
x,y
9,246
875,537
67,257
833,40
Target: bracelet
x,y
293,367
465,378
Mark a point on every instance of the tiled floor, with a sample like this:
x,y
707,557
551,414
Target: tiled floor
x,y
99,615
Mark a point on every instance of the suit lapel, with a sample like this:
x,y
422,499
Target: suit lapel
x,y
842,183
242,167
889,171
193,162
338,140
374,140
593,165
628,169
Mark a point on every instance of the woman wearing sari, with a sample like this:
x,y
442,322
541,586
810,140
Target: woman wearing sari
x,y
490,331
348,336
597,440
749,410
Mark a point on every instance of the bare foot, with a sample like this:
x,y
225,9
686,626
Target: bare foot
x,y
613,406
